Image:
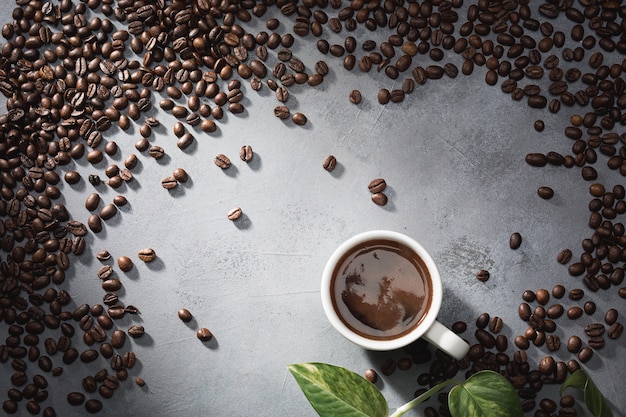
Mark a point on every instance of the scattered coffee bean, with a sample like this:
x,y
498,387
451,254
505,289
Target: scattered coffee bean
x,y
135,331
355,97
379,199
483,275
147,255
329,163
222,161
515,241
235,214
299,118
246,153
564,256
377,185
204,334
545,192
371,375
180,175
124,263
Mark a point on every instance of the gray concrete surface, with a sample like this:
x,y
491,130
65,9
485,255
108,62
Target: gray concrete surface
x,y
453,157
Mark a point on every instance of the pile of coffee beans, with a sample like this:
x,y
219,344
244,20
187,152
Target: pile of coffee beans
x,y
72,71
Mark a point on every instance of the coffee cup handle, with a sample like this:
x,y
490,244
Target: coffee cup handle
x,y
446,340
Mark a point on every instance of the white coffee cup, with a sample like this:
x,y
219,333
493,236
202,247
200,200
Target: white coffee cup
x,y
426,326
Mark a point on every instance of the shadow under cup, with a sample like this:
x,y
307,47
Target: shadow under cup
x,y
381,290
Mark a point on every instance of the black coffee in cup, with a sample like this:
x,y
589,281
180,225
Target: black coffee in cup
x,y
381,289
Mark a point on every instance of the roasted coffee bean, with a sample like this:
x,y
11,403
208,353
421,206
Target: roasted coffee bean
x,y
536,159
371,375
564,256
147,255
222,161
553,342
379,199
611,316
136,331
246,153
585,354
169,182
594,329
377,185
185,315
483,275
545,192
235,214
547,365
330,162
515,241
483,320
459,327
299,119
124,263
555,311
590,308
76,398
485,338
576,294
574,312
204,334
558,291
524,311
496,324
615,330
542,296
355,97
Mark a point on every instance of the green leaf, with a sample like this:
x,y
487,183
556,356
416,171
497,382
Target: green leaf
x,y
337,392
594,400
485,394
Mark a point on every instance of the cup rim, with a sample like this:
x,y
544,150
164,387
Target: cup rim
x,y
391,344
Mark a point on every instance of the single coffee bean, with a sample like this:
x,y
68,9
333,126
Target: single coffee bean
x,y
558,291
539,125
299,119
542,296
147,255
379,199
496,324
483,275
594,329
482,321
576,294
235,214
574,344
611,316
564,256
536,159
93,406
246,153
377,185
529,296
596,342
281,112
355,97
555,311
136,331
125,263
222,161
169,182
139,381
459,327
615,330
371,375
524,311
185,315
585,354
547,365
515,241
329,163
76,398
204,334
180,175
574,312
545,192
553,342
590,308
485,338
